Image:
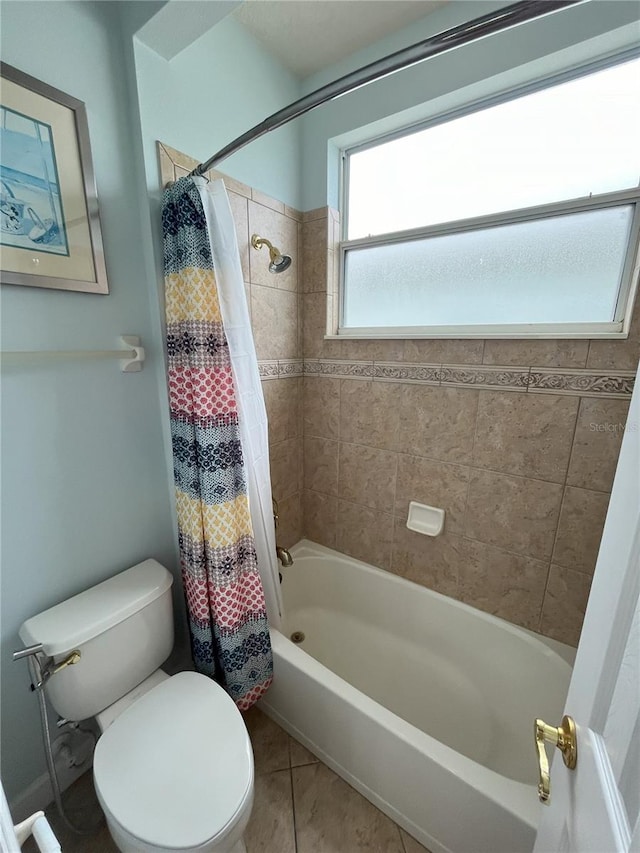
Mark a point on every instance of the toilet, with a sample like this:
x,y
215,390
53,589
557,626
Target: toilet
x,y
173,766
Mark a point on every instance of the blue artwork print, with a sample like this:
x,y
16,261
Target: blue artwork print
x,y
31,214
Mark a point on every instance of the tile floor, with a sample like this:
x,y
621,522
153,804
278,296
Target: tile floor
x,y
300,806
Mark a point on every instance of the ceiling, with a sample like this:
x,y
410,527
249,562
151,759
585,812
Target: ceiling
x,y
309,35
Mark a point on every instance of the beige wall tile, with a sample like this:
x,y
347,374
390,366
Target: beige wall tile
x,y
444,352
314,312
289,530
539,353
321,465
597,441
433,562
316,213
321,406
580,529
283,233
513,513
370,413
240,213
367,476
365,534
300,343
319,518
565,602
274,315
505,584
618,355
315,253
315,232
179,159
293,213
525,434
267,200
165,164
373,350
437,422
230,183
283,404
300,406
315,271
433,483
286,468
331,816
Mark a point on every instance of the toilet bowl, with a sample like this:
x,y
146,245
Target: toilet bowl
x,y
173,767
175,770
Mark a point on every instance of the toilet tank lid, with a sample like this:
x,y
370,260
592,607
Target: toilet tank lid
x,y
79,619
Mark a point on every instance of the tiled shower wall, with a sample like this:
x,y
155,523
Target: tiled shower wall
x,y
516,440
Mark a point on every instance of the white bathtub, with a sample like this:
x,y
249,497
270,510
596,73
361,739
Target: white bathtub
x,y
422,703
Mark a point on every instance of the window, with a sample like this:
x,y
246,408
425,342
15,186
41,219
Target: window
x,y
517,218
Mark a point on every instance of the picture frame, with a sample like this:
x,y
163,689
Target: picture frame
x,y
50,233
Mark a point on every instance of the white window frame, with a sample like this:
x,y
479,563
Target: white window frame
x,y
616,329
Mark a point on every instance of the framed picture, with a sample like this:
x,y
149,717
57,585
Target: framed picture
x,y
49,225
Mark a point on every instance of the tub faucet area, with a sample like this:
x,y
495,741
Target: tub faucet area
x,y
284,556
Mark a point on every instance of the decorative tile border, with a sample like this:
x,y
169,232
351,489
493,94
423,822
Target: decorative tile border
x,y
287,368
291,367
535,380
585,383
351,369
493,377
426,374
268,369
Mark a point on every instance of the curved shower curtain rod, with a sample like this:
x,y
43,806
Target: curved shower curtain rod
x,y
494,22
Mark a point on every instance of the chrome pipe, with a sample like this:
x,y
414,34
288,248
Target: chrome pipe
x,y
29,650
485,25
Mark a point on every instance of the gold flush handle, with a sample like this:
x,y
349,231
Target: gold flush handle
x,y
564,737
72,659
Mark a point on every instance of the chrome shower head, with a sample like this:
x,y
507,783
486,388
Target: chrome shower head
x,y
277,261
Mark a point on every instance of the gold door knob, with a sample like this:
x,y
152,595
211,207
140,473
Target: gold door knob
x,y
564,737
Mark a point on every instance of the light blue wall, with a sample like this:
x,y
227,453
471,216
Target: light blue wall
x,y
542,47
85,486
212,92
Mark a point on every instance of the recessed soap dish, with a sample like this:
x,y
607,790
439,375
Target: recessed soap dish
x,y
428,520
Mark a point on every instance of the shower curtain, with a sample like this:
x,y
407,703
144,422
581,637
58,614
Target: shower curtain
x,y
220,445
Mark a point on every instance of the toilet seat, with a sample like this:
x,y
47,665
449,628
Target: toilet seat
x,y
175,770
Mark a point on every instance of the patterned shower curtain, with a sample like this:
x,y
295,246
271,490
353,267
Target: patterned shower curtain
x,y
224,593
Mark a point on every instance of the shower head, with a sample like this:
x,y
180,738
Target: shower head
x,y
277,261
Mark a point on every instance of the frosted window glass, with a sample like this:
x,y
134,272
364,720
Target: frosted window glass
x,y
564,142
564,269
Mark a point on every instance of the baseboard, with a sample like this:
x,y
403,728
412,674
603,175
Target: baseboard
x,y
38,796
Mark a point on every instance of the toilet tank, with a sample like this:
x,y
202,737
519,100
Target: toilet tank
x,y
123,629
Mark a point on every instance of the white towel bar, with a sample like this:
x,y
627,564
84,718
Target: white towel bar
x,y
131,359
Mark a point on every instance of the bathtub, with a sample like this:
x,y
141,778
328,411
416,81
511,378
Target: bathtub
x,y
424,704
